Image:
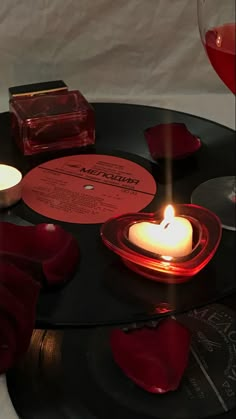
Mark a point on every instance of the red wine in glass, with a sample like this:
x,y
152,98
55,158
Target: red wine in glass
x,y
220,48
216,21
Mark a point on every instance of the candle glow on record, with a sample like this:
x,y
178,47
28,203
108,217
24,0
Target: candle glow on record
x,y
173,237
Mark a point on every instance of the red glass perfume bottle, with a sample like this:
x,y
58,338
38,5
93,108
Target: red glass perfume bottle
x,y
51,121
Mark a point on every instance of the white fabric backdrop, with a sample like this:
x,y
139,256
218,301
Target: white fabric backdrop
x,y
126,50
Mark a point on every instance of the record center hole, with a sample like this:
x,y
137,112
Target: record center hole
x,y
88,187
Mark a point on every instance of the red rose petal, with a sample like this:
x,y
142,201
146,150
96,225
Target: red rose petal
x,y
45,251
18,296
155,359
171,140
13,308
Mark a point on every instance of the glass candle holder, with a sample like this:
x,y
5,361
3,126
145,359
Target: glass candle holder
x,y
50,121
206,229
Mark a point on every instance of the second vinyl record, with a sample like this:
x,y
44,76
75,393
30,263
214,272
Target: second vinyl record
x,y
72,375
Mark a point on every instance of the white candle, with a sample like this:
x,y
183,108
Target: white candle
x,y
9,176
10,185
172,238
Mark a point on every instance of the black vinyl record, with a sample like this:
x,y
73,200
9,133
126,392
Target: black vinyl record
x,y
104,291
71,374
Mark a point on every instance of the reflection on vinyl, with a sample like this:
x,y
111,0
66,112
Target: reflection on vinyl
x,y
114,294
71,374
97,282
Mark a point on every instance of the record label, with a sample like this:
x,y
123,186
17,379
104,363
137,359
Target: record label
x,y
88,189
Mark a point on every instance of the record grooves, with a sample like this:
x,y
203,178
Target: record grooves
x,y
114,293
71,374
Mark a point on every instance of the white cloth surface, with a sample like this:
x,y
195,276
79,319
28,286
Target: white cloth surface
x,y
7,411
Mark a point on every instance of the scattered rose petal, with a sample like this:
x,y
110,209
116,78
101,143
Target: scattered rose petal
x,y
45,251
155,359
171,140
18,298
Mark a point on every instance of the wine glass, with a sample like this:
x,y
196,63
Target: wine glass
x,y
216,21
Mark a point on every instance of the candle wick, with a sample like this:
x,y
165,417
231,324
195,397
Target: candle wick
x,y
166,225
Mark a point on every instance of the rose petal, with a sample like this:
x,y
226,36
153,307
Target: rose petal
x,y
18,298
155,359
171,140
45,251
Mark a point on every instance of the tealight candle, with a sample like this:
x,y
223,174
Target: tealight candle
x,y
173,237
10,185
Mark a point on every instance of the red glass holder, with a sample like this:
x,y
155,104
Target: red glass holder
x,y
206,238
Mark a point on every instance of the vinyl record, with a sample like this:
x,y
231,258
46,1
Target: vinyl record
x,y
103,291
71,374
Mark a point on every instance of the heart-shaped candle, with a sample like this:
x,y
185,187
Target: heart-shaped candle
x,y
171,238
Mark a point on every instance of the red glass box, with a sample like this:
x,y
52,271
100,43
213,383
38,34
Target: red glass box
x,y
51,121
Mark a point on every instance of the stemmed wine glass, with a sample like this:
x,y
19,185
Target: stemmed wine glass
x,y
216,21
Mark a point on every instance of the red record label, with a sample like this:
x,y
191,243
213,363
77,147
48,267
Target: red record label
x,y
88,189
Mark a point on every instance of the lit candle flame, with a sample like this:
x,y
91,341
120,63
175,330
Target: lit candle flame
x,y
168,216
169,213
